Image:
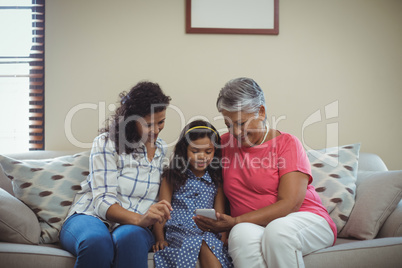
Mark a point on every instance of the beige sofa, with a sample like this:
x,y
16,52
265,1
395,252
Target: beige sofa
x,y
385,250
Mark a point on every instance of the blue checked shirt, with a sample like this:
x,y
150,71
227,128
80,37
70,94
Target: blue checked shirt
x,y
129,180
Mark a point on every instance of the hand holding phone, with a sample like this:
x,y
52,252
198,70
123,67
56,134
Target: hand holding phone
x,y
209,213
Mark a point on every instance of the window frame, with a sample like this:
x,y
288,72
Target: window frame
x,y
36,61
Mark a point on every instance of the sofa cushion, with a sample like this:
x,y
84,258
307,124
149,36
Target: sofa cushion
x,y
384,252
334,173
378,194
5,182
35,256
18,224
393,224
48,187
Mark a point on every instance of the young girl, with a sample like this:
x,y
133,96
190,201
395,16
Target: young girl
x,y
192,181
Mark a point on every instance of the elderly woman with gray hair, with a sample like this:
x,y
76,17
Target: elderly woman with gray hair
x,y
276,215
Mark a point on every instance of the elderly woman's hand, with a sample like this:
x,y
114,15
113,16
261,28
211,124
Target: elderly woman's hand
x,y
222,224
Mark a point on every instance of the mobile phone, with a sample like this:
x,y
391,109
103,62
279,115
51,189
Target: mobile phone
x,y
209,213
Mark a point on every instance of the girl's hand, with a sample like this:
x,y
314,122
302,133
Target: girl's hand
x,y
158,212
222,224
159,245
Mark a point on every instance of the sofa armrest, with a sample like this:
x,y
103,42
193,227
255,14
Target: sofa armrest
x,y
371,162
393,225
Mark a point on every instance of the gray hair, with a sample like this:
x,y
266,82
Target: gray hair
x,y
241,94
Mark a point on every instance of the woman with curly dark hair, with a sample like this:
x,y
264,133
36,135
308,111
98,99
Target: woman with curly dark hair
x,y
108,223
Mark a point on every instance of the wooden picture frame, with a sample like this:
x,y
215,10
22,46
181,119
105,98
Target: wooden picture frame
x,y
232,16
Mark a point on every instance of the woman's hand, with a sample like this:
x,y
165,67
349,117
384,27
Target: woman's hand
x,y
225,238
158,212
223,223
159,245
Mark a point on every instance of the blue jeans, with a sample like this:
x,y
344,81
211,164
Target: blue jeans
x,y
89,239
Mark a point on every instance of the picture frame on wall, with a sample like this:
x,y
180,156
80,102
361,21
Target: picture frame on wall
x,y
232,16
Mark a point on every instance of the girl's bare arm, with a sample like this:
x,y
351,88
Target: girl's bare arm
x,y
165,193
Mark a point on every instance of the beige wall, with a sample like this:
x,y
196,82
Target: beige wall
x,y
347,53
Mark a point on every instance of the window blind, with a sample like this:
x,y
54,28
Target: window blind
x,y
20,63
36,78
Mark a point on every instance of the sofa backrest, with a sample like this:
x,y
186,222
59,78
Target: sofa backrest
x,y
367,161
40,154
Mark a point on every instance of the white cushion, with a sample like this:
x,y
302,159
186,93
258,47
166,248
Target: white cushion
x,y
334,173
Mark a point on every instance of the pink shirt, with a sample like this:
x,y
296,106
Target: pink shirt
x,y
251,174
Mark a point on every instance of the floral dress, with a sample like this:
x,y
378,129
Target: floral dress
x,y
182,234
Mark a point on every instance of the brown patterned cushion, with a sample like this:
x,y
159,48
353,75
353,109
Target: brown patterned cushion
x,y
334,173
48,187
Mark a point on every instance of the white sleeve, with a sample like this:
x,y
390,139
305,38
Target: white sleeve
x,y
104,173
